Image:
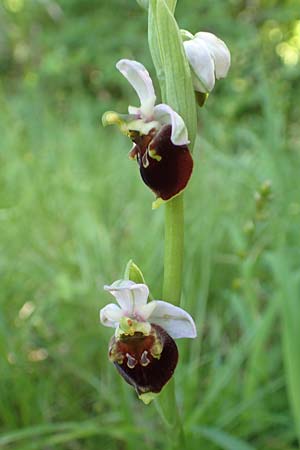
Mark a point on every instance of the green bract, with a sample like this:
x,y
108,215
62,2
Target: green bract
x,y
133,273
171,65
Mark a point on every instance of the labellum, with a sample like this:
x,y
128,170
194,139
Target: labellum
x,y
146,362
164,167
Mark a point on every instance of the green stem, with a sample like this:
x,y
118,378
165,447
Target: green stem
x,y
173,262
177,91
167,407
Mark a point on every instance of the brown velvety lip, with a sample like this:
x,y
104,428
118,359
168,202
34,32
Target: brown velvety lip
x,y
164,167
145,362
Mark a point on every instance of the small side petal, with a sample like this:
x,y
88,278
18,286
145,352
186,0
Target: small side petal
x,y
174,320
123,121
129,295
202,64
110,315
219,52
141,82
165,115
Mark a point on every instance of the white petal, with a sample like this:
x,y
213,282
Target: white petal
x,y
140,294
110,315
120,289
165,115
219,52
146,310
202,64
129,295
141,82
177,322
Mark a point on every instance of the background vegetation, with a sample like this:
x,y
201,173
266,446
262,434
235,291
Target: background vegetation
x,y
73,211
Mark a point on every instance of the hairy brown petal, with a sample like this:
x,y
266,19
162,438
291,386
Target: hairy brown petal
x,y
145,362
166,168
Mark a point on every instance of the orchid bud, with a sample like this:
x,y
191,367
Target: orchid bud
x,y
209,59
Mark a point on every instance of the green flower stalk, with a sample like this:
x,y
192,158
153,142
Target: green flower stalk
x,y
176,85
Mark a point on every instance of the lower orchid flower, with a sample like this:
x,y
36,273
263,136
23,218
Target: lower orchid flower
x,y
159,135
143,348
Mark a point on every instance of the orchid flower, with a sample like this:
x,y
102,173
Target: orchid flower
x,y
209,59
159,134
142,348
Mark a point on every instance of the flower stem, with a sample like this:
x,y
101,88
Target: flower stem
x,y
175,80
173,260
167,407
173,263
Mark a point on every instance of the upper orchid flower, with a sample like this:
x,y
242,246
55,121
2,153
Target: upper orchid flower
x,y
142,348
209,58
158,132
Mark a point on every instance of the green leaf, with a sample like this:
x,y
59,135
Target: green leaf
x,y
288,296
223,440
43,436
171,65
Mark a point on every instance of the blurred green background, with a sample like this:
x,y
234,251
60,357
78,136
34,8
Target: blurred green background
x,y
73,211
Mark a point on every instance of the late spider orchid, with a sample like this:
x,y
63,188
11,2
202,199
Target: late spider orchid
x,y
159,134
142,348
209,59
